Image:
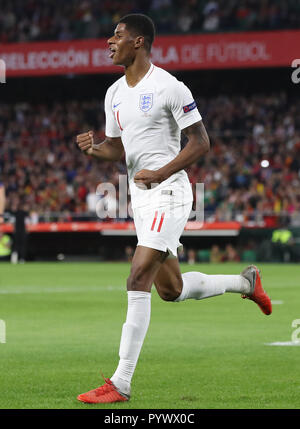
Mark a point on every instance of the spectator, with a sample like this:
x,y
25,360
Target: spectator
x,y
2,201
191,256
5,246
129,251
185,20
211,20
50,20
20,212
216,255
230,254
282,243
182,257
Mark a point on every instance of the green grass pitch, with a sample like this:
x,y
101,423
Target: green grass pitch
x,y
63,325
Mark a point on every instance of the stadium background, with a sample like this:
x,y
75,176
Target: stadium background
x,y
54,312
250,113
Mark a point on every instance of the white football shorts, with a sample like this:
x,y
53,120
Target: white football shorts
x,y
159,226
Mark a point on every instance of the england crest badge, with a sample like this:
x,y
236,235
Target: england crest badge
x,y
146,102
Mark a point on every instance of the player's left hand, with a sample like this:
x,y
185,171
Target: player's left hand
x,y
145,178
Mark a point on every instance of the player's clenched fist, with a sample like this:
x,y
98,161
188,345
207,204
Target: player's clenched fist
x,y
145,179
85,142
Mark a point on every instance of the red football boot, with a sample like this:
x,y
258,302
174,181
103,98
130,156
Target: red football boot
x,y
107,393
257,294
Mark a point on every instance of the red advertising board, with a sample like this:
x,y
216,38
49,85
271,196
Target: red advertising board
x,y
114,226
188,52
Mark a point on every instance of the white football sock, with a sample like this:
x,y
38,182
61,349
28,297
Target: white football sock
x,y
132,338
199,286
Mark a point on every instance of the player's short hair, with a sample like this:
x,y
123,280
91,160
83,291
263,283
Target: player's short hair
x,y
140,25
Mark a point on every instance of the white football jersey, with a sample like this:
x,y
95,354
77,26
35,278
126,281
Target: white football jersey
x,y
149,118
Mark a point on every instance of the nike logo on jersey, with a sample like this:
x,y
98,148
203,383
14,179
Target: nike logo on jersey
x,y
116,105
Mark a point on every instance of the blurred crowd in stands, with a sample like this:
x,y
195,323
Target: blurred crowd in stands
x,y
33,20
251,174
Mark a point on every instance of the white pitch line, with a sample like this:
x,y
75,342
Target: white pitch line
x,y
278,302
284,343
59,289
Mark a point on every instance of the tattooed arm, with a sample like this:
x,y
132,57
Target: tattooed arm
x,y
198,144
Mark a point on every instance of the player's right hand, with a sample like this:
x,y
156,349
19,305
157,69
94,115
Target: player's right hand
x,y
85,142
